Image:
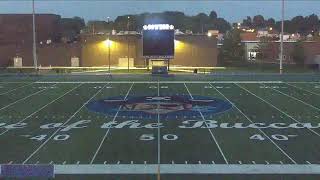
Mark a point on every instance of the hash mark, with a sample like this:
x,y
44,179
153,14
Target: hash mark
x,y
253,162
10,162
292,135
118,162
213,162
281,162
25,135
240,162
308,162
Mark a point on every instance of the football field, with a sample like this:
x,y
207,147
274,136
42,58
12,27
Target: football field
x,y
162,129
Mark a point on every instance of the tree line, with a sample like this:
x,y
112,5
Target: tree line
x,y
203,22
299,24
199,23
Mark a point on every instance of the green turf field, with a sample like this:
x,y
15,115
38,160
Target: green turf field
x,y
270,128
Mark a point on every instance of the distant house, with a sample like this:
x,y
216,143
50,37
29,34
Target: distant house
x,y
309,37
263,33
249,36
213,32
311,48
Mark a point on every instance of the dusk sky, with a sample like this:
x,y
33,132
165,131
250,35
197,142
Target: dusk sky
x,y
231,10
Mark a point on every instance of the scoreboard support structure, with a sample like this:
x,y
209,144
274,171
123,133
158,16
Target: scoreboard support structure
x,y
158,45
163,64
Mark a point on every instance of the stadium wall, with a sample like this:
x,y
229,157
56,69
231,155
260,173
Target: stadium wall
x,y
96,53
48,55
191,50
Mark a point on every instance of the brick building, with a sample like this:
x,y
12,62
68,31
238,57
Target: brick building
x,y
17,28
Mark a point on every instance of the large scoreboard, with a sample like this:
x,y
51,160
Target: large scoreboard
x,y
158,41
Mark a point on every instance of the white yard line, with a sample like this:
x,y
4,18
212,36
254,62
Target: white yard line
x,y
154,82
295,99
106,134
191,82
190,169
275,144
16,88
303,82
270,104
44,143
303,89
43,107
18,82
212,135
159,133
37,92
257,169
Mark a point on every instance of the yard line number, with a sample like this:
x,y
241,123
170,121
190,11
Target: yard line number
x,y
277,137
151,137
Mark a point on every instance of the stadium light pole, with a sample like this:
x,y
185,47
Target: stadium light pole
x,y
128,24
282,32
109,55
108,43
34,48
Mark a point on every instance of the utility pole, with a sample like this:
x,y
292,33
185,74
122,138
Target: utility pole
x,y
281,45
35,59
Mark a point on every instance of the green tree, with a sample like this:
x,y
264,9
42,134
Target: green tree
x,y
232,51
300,24
247,22
213,15
263,48
298,54
200,22
71,27
258,21
96,26
271,22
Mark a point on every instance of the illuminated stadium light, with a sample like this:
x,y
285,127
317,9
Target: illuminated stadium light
x,y
107,43
209,34
158,27
178,45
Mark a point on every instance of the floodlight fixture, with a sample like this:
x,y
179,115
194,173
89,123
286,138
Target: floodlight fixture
x,y
158,27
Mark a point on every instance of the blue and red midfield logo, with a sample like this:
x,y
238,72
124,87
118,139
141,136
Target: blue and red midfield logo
x,y
165,106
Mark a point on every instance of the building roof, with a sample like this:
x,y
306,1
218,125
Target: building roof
x,y
249,36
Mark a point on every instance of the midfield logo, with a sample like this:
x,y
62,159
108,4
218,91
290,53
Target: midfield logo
x,y
172,107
